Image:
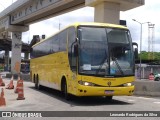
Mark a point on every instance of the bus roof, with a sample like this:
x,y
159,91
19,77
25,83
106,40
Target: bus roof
x,y
98,24
87,24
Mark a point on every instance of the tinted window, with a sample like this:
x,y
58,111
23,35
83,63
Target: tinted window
x,y
55,47
47,47
71,40
63,40
54,44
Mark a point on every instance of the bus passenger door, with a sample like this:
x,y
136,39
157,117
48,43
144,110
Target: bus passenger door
x,y
72,48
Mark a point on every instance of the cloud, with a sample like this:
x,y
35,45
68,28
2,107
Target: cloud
x,y
147,13
51,26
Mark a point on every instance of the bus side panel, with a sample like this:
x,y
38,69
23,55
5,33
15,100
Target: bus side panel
x,y
51,69
45,68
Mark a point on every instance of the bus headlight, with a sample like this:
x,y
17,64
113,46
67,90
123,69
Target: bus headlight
x,y
85,83
128,84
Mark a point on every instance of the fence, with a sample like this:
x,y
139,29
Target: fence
x,y
146,70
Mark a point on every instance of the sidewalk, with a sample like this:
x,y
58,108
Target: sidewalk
x,y
11,97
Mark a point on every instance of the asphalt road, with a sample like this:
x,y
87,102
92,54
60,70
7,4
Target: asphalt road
x,y
52,100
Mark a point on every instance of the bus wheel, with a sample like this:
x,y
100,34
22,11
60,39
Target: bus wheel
x,y
34,78
66,94
108,98
37,85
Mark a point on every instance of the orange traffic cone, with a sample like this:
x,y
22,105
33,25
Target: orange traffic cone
x,y
17,86
2,99
20,91
10,85
1,81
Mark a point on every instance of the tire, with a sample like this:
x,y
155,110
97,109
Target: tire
x,y
67,96
37,85
34,79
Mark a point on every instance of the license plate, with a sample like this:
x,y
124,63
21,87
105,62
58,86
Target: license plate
x,y
109,92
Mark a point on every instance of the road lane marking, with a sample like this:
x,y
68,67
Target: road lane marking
x,y
156,102
147,98
131,100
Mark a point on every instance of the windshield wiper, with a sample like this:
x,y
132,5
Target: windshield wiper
x,y
115,59
100,67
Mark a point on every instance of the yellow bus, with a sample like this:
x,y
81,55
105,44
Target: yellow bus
x,y
86,59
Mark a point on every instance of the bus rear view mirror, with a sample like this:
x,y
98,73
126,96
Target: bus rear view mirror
x,y
76,50
135,50
136,53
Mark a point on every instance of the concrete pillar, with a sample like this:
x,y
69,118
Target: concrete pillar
x,y
107,12
16,52
16,46
6,60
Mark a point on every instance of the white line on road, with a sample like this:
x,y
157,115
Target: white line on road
x,y
131,100
156,102
144,97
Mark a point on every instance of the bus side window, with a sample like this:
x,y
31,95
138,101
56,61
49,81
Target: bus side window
x,y
71,56
63,40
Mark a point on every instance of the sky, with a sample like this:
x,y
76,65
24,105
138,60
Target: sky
x,y
146,13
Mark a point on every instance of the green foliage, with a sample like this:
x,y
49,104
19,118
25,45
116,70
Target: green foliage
x,y
150,56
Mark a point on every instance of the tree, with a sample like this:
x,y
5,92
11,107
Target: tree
x,y
145,55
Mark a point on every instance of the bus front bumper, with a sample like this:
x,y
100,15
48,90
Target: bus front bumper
x,y
104,91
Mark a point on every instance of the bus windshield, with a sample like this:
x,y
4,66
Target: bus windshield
x,y
105,51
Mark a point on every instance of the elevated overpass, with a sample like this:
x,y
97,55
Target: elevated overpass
x,y
6,45
17,17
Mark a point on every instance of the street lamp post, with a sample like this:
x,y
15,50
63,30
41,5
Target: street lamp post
x,y
140,57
